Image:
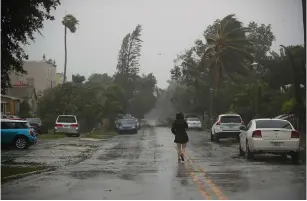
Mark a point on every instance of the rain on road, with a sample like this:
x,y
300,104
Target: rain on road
x,y
144,166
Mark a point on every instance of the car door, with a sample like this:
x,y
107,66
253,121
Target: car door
x,y
8,132
243,136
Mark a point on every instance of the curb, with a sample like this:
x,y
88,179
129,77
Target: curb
x,y
16,176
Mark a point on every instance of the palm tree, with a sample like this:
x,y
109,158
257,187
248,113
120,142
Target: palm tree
x,y
228,49
70,22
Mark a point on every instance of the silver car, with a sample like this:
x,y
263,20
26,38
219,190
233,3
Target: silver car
x,y
67,124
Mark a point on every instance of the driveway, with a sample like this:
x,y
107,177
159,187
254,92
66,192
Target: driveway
x,y
144,166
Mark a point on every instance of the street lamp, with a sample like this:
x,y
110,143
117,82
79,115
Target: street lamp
x,y
255,67
211,103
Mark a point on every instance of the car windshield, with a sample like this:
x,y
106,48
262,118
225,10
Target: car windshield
x,y
273,124
67,119
193,119
128,121
230,119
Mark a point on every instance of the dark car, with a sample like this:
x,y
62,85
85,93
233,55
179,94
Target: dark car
x,y
36,124
127,126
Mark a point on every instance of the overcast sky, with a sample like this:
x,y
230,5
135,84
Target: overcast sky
x,y
169,27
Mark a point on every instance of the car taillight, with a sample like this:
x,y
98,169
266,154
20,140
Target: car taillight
x,y
257,134
218,123
59,125
74,125
31,132
295,134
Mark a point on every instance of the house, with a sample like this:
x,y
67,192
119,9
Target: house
x,y
25,93
10,105
40,74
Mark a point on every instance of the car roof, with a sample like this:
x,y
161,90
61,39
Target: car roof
x,y
12,120
271,119
223,115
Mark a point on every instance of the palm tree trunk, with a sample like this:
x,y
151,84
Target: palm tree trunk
x,y
65,59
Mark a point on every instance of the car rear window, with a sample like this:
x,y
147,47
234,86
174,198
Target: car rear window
x,y
230,119
193,119
128,121
67,119
273,124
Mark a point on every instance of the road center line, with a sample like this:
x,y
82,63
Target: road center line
x,y
213,186
200,187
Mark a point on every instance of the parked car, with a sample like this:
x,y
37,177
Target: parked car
x,y
14,117
127,126
194,123
36,123
274,136
67,124
17,133
226,126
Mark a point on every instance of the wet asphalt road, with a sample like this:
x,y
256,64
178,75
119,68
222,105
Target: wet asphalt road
x,y
144,166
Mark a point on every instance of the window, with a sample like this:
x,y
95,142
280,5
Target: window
x,y
66,119
15,125
7,125
231,119
272,123
22,125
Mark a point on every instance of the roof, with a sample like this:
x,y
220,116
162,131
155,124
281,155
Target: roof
x,y
21,91
12,120
229,115
270,119
10,97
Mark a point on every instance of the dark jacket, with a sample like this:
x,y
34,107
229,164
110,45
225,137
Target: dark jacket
x,y
179,130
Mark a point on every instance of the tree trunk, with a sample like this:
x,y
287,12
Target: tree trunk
x,y
65,59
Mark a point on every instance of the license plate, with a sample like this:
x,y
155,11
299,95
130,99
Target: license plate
x,y
66,126
277,144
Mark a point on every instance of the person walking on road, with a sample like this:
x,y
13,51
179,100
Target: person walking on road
x,y
181,137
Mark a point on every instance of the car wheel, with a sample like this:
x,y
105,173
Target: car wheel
x,y
249,155
78,135
295,158
217,139
21,143
241,151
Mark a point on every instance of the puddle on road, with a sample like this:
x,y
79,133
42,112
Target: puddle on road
x,y
89,174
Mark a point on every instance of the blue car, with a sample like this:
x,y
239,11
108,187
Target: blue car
x,y
127,126
18,133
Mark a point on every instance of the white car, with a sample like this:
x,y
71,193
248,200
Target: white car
x,y
275,136
226,126
194,123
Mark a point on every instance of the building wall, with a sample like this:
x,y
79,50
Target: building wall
x,y
40,73
11,106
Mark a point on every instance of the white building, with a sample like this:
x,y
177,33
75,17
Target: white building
x,y
40,74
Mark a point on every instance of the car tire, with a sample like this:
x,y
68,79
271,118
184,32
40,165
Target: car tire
x,y
217,139
295,158
241,150
78,135
21,142
249,155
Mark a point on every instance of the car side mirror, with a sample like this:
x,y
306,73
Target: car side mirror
x,y
243,128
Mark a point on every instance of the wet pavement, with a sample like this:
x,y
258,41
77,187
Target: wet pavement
x,y
144,166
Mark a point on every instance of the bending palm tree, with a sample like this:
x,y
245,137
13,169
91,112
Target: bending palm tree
x,y
70,22
228,49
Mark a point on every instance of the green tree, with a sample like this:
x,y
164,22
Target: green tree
x,y
17,28
24,110
69,22
78,79
228,49
128,61
100,78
